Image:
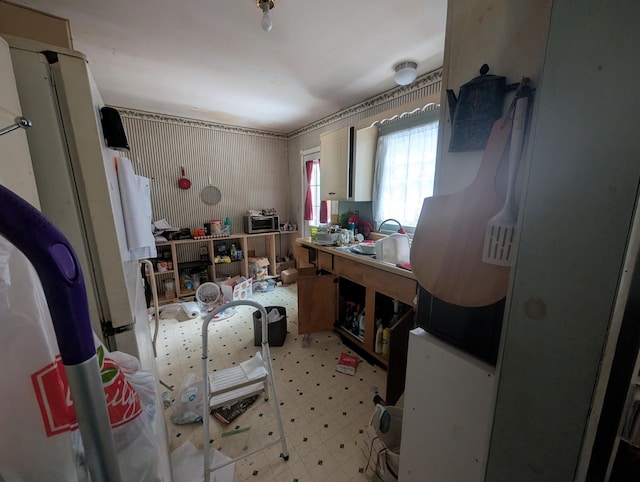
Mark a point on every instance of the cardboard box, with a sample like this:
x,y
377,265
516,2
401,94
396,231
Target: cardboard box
x,y
260,261
289,276
237,288
258,267
347,364
280,267
29,23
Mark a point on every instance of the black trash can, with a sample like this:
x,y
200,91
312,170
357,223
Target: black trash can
x,y
277,329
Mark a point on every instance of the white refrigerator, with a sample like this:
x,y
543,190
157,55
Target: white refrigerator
x,y
77,183
62,166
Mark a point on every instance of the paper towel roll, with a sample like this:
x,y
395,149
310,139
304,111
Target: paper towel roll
x,y
191,309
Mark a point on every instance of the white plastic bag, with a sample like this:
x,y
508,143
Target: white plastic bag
x,y
188,405
133,434
41,440
27,345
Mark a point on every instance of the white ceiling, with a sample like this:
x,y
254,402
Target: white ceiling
x,y
210,59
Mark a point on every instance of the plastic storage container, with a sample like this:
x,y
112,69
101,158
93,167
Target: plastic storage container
x,y
393,249
277,329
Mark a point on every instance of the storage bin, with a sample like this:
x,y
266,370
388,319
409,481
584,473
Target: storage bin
x,y
393,249
277,329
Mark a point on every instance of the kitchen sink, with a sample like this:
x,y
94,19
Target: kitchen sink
x,y
349,249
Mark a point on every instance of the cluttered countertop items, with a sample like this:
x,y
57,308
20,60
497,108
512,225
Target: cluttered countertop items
x,y
397,255
352,237
253,222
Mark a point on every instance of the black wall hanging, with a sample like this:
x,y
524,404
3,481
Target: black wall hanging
x,y
113,130
473,112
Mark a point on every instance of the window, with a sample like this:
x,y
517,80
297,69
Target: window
x,y
314,186
405,168
313,205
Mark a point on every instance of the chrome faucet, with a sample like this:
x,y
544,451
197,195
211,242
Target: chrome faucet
x,y
400,230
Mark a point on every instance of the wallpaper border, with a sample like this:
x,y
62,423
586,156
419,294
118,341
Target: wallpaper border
x,y
425,81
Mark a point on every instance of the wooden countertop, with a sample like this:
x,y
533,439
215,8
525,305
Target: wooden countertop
x,y
366,260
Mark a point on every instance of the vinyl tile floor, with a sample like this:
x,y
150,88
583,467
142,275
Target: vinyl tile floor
x,y
324,412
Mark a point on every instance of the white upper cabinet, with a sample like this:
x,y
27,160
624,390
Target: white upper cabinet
x,y
347,163
335,152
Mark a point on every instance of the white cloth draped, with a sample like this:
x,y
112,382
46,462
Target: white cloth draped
x,y
135,195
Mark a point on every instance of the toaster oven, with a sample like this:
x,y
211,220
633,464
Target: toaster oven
x,y
261,224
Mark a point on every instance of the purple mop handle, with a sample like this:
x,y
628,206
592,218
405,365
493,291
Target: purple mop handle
x,y
61,276
59,271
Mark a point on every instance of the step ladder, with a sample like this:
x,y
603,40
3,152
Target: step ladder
x,y
249,378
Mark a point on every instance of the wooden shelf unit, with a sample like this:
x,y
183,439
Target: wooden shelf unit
x,y
185,257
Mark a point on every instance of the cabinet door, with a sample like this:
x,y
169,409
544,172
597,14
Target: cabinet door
x,y
397,364
316,301
325,261
334,164
305,257
366,141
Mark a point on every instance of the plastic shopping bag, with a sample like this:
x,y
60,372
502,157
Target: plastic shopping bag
x,y
27,344
41,440
131,400
189,402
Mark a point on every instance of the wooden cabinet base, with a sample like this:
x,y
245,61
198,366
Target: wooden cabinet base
x,y
317,294
329,294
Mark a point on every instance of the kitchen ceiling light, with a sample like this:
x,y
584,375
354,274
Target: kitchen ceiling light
x,y
405,73
265,6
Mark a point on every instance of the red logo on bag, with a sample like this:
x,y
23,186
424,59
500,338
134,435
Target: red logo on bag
x,y
56,406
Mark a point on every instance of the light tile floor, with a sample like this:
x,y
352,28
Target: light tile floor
x,y
324,412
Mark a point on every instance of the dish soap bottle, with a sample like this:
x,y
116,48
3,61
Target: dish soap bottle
x,y
386,338
379,332
227,225
386,333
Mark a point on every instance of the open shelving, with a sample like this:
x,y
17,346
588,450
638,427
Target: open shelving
x,y
189,256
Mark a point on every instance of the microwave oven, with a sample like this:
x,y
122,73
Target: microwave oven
x,y
261,224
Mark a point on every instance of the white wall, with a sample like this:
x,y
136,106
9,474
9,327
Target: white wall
x,y
249,167
509,36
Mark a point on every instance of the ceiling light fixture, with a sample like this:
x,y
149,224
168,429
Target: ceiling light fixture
x,y
405,73
265,6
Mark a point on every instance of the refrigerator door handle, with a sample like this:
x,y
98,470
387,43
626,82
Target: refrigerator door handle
x,y
20,122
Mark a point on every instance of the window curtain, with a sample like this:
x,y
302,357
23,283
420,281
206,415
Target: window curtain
x,y
404,173
308,203
324,212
